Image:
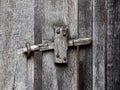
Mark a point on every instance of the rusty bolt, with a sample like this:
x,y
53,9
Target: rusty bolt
x,y
64,58
58,31
64,33
57,55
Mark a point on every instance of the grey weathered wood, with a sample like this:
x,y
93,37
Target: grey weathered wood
x,y
99,32
64,77
61,45
113,45
85,23
38,40
16,28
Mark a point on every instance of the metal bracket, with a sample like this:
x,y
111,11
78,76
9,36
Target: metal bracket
x,y
60,45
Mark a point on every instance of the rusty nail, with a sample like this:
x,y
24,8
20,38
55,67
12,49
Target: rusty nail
x,y
58,31
64,33
65,58
57,55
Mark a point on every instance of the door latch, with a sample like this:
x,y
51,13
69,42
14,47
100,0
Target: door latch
x,y
60,45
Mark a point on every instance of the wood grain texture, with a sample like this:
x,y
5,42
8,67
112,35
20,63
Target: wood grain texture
x,y
16,28
99,32
38,40
113,45
59,77
85,52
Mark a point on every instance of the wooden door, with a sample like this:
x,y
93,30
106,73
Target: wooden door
x,y
16,28
90,67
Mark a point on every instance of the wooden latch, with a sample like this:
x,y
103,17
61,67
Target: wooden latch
x,y
60,45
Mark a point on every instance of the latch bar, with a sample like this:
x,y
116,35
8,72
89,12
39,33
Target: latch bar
x,y
50,46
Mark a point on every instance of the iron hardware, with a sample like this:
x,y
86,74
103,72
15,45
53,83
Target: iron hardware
x,y
60,45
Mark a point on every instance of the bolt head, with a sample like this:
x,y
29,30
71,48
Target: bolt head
x,y
57,55
64,33
58,31
64,58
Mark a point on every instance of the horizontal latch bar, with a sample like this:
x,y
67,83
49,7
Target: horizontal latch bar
x,y
50,46
79,42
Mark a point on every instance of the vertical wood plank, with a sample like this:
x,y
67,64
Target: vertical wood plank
x,y
59,77
38,40
16,28
99,32
113,45
85,54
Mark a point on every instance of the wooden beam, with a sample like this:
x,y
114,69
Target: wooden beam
x,y
55,77
113,45
85,26
16,28
99,41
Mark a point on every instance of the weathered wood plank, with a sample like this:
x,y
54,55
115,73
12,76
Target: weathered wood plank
x,y
85,54
16,28
38,40
56,77
99,32
113,45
